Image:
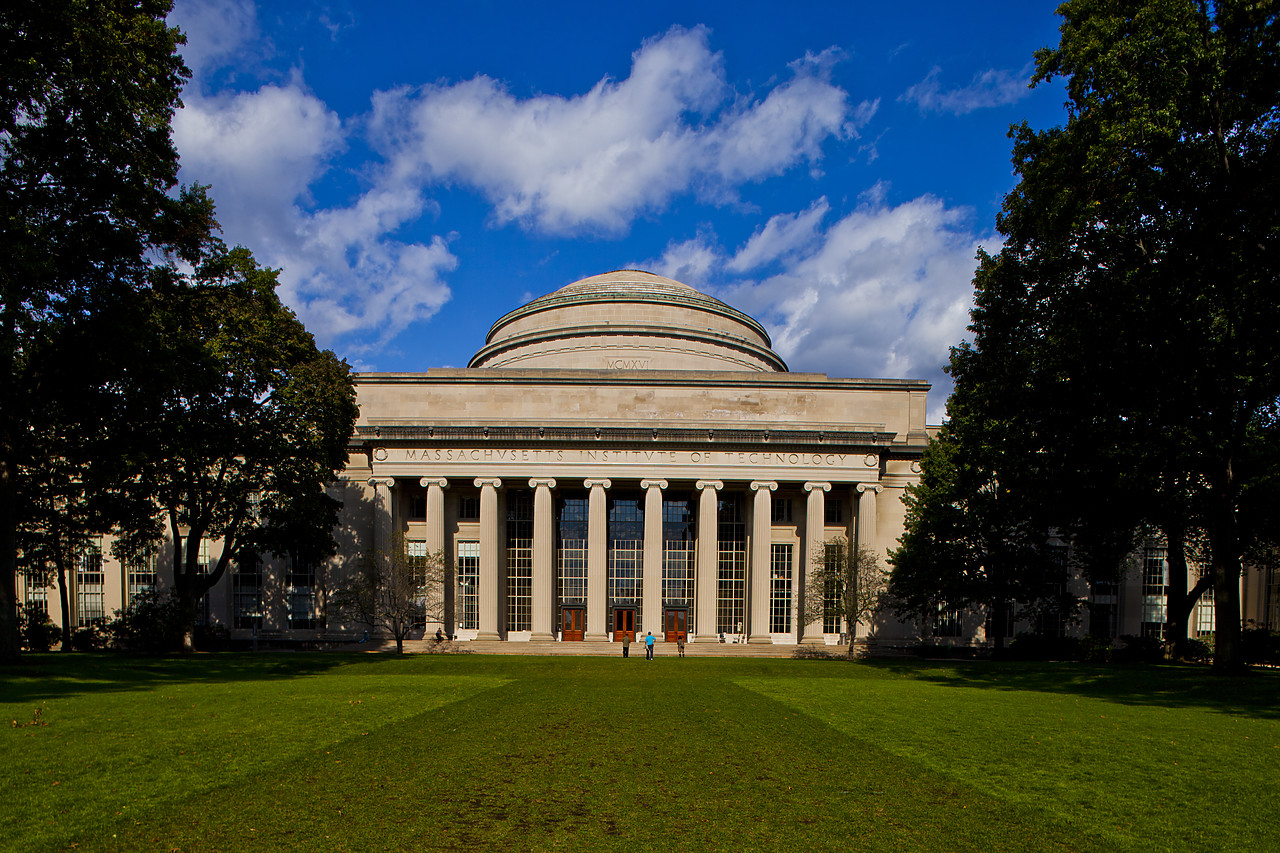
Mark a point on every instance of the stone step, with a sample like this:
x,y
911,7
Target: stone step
x,y
661,649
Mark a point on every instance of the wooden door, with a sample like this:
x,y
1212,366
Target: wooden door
x,y
573,622
624,624
675,625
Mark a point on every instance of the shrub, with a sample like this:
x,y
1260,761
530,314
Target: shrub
x,y
1140,650
1258,645
150,624
212,638
91,637
1192,650
36,631
1045,647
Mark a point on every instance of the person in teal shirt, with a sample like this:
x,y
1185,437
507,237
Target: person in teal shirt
x,y
648,646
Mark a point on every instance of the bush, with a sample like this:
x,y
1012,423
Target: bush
x,y
1140,650
151,624
212,638
1046,647
91,637
36,631
1188,649
1258,645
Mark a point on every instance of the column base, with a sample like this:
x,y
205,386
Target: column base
x,y
542,637
760,639
488,635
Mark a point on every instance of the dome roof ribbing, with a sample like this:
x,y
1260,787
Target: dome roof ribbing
x,y
631,320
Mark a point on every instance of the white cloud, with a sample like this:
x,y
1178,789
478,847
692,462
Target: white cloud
x,y
595,161
262,150
215,29
884,291
991,88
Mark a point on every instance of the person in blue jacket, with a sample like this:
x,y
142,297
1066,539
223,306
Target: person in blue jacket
x,y
648,646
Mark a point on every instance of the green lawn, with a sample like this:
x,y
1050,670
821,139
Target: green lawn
x,y
333,752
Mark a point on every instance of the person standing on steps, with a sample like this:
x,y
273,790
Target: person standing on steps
x,y
648,646
626,644
680,643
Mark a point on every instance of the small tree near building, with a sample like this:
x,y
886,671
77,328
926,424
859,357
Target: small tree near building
x,y
397,592
848,583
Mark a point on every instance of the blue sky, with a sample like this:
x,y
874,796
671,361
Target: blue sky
x,y
418,169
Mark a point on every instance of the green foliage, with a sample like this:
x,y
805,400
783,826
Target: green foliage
x,y
1261,646
86,165
152,623
1125,363
92,637
38,633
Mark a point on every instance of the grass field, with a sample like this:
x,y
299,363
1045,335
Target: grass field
x,y
333,752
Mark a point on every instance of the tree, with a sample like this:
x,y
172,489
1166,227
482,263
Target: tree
x,y
1137,279
848,582
238,422
86,163
395,592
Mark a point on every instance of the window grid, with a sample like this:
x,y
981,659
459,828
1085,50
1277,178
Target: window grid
x,y
520,585
1206,615
416,556
1155,588
731,567
679,552
780,588
947,621
90,586
37,596
832,609
246,588
571,550
519,561
780,511
468,568
141,575
303,595
832,511
469,508
626,553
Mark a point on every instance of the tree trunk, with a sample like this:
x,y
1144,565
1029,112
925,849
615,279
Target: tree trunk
x,y
1180,603
60,566
9,644
1224,545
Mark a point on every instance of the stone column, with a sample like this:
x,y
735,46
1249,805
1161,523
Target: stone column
x,y
382,522
761,557
597,561
815,523
435,487
708,560
867,524
543,582
435,512
489,603
652,597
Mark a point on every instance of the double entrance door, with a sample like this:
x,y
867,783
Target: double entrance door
x,y
675,625
624,624
573,623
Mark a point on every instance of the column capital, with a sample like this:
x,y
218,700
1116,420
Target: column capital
x,y
591,484
425,482
870,487
382,481
757,485
653,484
709,484
538,482
481,482
809,487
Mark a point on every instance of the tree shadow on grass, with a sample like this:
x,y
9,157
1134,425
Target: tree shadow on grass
x,y
1253,694
55,674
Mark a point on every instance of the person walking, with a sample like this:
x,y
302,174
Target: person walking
x,y
680,643
648,646
626,644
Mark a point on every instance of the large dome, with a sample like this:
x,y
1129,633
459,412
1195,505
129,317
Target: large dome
x,y
629,320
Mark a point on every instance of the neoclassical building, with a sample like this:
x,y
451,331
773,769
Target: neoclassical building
x,y
627,454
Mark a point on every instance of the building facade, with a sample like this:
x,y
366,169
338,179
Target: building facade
x,y
624,455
